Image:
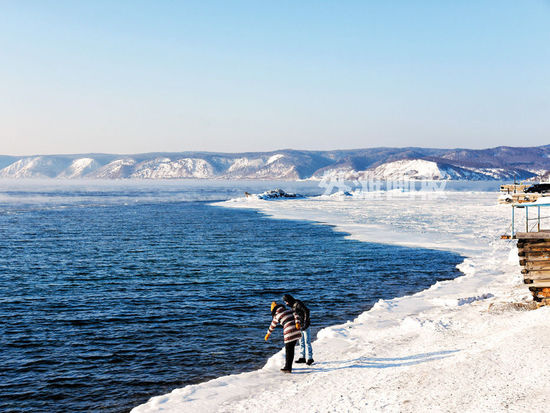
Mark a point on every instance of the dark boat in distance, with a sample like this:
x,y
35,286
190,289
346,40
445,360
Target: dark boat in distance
x,y
274,194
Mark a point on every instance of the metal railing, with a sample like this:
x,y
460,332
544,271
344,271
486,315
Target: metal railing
x,y
537,221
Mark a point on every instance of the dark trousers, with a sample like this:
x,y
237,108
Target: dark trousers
x,y
289,354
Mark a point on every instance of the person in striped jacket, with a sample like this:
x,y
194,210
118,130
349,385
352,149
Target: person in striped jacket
x,y
291,332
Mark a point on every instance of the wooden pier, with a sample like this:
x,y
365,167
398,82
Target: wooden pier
x,y
534,249
534,257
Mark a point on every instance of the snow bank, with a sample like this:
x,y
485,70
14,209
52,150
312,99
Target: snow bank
x,y
441,349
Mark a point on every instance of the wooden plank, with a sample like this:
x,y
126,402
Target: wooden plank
x,y
535,240
534,261
533,235
537,266
533,243
536,257
542,231
530,264
529,278
538,249
532,273
539,284
538,281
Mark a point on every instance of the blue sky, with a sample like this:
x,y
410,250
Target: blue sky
x,y
137,76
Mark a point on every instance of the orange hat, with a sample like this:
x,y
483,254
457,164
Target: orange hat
x,y
273,304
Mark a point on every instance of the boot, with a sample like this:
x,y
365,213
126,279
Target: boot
x,y
300,360
286,370
309,362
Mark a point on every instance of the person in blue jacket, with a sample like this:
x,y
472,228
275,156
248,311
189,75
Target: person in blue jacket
x,y
301,315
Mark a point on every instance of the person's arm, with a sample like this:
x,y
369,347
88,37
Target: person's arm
x,y
296,319
272,326
305,311
306,316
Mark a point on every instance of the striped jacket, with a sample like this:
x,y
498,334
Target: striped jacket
x,y
286,319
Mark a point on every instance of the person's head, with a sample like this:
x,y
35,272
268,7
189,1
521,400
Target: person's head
x,y
275,307
288,299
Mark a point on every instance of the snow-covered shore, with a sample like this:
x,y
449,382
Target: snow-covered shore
x,y
461,345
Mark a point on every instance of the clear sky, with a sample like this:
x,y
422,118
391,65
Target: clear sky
x,y
139,76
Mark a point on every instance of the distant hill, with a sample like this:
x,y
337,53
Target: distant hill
x,y
498,163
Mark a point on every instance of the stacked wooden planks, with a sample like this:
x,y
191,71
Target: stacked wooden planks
x,y
534,257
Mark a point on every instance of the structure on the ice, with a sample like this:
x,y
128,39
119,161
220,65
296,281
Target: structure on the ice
x,y
519,193
534,247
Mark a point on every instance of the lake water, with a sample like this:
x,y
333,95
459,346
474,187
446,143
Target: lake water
x,y
113,293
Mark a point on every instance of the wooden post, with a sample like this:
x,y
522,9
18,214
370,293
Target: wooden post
x,y
513,220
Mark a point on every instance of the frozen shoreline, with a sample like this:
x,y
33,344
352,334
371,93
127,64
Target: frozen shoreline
x,y
439,349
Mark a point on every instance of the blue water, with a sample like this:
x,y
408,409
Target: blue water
x,y
111,296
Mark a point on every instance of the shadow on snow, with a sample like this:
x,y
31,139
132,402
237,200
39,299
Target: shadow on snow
x,y
376,362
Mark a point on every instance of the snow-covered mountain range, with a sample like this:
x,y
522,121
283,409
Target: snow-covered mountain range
x,y
377,163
